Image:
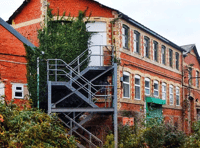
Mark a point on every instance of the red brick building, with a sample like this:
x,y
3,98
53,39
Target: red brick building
x,y
152,77
12,63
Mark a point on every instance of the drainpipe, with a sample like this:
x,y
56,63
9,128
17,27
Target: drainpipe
x,y
38,82
183,89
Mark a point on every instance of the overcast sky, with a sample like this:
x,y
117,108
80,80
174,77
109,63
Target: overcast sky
x,y
176,20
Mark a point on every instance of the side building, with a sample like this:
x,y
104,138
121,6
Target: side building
x,y
150,67
13,71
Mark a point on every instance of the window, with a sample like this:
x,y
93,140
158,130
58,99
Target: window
x,y
137,87
170,57
155,51
147,86
125,37
18,91
156,89
177,60
136,42
146,47
164,91
177,96
171,97
197,79
2,91
126,85
163,54
190,76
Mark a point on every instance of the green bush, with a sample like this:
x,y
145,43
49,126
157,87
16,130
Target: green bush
x,y
31,128
194,139
159,134
154,133
128,138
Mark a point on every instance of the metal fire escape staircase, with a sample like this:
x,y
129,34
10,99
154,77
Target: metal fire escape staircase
x,y
74,91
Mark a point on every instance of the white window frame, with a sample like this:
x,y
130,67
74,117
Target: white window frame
x,y
147,88
197,79
177,96
154,90
14,86
171,94
164,91
138,85
127,83
2,91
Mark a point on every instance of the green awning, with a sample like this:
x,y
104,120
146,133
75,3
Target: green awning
x,y
155,100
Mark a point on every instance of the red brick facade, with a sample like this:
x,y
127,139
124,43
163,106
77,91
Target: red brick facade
x,y
12,64
130,61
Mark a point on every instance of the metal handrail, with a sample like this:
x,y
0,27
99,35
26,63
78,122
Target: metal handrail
x,y
90,134
78,133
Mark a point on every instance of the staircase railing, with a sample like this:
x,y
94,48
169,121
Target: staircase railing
x,y
72,71
91,136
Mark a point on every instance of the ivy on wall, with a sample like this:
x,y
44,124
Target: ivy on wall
x,y
60,39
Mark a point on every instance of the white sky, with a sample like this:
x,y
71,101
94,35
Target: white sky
x,y
176,20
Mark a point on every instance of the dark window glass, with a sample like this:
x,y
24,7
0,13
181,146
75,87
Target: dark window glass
x,y
177,60
163,54
170,57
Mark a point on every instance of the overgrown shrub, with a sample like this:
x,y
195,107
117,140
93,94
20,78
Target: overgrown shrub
x,y
159,134
31,128
193,140
128,138
59,39
154,133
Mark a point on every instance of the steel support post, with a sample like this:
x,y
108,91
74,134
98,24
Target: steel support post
x,y
49,97
115,106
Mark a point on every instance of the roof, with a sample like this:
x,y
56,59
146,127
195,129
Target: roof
x,y
9,21
15,33
122,15
188,48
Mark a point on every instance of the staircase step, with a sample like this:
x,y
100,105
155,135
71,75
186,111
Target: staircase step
x,y
80,145
89,117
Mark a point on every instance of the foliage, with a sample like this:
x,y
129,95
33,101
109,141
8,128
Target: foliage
x,y
60,39
194,139
128,138
154,133
159,134
31,128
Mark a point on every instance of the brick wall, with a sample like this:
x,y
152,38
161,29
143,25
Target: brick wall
x,y
12,62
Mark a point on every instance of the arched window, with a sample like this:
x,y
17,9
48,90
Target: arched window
x,y
156,92
171,95
125,36
147,86
137,87
177,96
163,52
164,91
136,42
126,85
155,51
146,47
